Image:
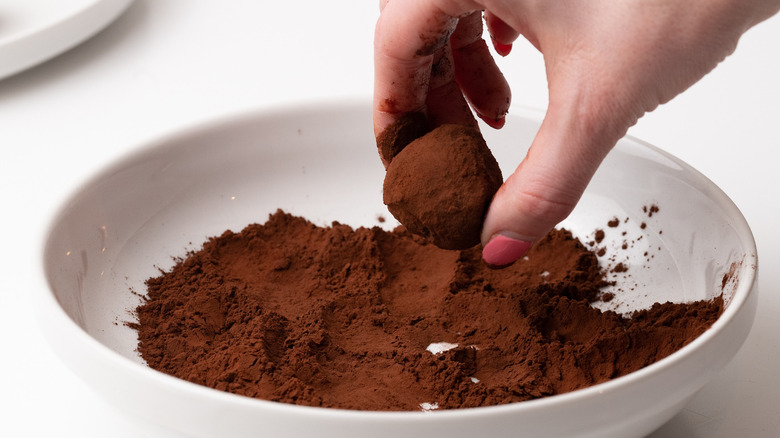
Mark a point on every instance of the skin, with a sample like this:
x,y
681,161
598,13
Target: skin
x,y
607,63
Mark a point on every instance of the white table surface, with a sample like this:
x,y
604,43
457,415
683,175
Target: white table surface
x,y
167,63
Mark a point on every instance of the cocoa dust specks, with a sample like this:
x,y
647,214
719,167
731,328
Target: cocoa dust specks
x,y
616,244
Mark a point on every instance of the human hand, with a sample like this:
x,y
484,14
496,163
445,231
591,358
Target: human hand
x,y
607,64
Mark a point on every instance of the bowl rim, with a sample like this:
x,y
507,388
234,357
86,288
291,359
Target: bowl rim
x,y
47,305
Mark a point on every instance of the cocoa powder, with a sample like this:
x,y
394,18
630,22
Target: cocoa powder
x,y
340,317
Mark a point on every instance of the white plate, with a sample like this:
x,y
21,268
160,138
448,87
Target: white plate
x,y
32,31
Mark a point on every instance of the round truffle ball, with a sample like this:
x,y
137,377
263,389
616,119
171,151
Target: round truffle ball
x,y
440,185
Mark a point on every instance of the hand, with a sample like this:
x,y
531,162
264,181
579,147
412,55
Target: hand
x,y
607,64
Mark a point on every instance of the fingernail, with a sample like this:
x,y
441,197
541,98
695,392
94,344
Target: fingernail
x,y
494,123
502,251
501,49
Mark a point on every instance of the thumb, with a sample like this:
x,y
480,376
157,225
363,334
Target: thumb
x,y
570,145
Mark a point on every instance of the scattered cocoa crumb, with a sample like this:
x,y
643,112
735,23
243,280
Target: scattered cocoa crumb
x,y
620,267
651,210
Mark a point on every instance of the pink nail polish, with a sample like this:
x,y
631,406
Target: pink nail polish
x,y
502,251
501,49
494,123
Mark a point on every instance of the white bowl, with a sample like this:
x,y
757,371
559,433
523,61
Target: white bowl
x,y
320,161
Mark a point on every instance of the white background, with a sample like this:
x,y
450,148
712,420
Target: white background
x,y
167,63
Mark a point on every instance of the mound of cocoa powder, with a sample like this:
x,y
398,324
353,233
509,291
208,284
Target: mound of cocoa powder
x,y
340,317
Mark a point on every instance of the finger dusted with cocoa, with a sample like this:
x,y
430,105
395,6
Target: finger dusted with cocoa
x,y
477,74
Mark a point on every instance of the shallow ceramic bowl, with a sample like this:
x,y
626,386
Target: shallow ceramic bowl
x,y
319,161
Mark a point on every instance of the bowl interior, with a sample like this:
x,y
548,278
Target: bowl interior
x,y
134,219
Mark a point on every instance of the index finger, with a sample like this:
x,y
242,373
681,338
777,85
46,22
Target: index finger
x,y
408,33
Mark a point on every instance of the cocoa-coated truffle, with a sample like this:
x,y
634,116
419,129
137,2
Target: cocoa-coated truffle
x,y
405,130
440,185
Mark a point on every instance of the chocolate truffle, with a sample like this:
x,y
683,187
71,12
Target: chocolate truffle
x,y
405,130
440,185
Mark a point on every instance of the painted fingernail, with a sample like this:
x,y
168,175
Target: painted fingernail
x,y
494,123
502,251
501,49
